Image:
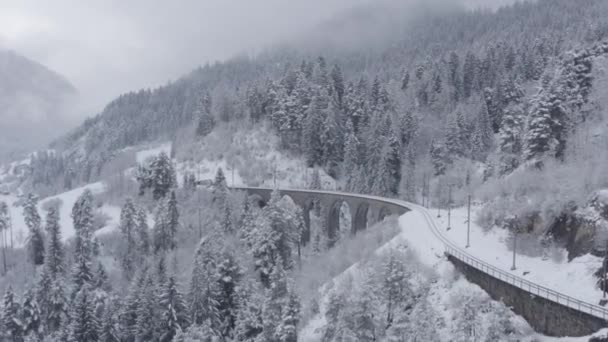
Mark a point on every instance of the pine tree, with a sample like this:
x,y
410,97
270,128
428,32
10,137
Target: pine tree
x,y
109,331
31,316
352,157
229,277
335,305
313,128
538,139
220,188
287,330
455,135
82,215
482,136
11,322
510,139
128,224
161,235
54,260
469,74
172,220
174,312
333,144
84,326
129,311
206,121
439,158
147,315
143,235
204,291
394,288
101,280
35,239
338,83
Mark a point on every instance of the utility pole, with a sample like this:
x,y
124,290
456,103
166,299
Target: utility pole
x,y
513,268
604,272
233,174
449,207
198,192
469,223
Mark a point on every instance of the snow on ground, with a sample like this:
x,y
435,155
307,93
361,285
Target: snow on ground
x,y
428,250
574,278
67,202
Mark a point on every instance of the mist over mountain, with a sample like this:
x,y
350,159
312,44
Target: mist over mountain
x,y
35,103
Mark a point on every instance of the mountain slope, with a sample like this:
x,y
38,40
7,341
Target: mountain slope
x,y
33,103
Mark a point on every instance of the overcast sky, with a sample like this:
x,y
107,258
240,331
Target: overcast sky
x,y
106,47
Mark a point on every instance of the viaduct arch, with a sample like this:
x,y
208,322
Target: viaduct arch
x,y
364,211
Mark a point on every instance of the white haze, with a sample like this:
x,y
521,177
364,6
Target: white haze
x,y
107,47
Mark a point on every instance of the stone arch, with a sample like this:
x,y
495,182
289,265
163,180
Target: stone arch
x,y
360,219
257,200
333,219
383,213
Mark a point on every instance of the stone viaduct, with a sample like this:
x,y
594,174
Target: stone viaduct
x,y
364,210
547,311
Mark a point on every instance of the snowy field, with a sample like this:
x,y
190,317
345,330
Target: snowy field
x,y
573,278
67,200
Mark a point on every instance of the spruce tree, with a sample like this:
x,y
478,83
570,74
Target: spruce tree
x,y
204,292
82,215
143,235
172,220
128,226
109,331
147,314
11,322
84,326
35,239
31,316
161,236
173,311
229,277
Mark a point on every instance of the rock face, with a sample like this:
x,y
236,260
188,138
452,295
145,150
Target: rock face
x,y
34,103
582,230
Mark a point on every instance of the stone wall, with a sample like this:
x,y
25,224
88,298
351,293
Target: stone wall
x,y
545,316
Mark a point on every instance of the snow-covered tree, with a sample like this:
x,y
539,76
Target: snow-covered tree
x,y
12,326
35,239
173,310
84,325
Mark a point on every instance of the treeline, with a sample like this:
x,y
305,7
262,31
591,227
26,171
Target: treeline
x,y
464,69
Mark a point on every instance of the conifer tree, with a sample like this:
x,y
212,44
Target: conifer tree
x,y
35,239
229,277
109,331
143,235
204,291
313,128
162,237
287,330
31,316
173,311
128,225
11,322
82,215
338,84
172,219
510,137
147,314
206,121
439,158
84,326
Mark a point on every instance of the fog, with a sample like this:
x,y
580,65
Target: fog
x,y
107,47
